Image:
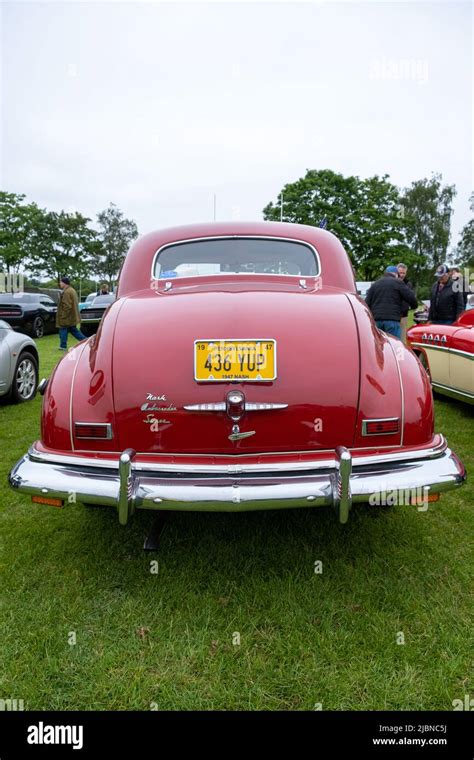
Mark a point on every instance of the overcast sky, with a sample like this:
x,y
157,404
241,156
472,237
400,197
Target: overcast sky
x,y
157,106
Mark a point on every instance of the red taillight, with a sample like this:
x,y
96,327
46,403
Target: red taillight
x,y
88,430
381,427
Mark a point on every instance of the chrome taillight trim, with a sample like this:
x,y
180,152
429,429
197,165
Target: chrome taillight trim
x,y
381,419
106,425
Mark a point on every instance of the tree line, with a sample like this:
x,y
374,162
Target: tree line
x,y
52,244
379,223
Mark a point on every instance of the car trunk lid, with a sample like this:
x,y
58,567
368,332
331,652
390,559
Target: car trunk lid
x,y
315,393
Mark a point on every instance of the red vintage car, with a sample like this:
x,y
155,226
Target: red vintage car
x,y
237,370
447,353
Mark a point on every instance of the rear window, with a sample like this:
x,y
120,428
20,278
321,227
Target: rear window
x,y
235,256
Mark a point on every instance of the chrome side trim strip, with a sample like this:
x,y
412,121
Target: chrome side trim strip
x,y
71,427
402,394
432,347
358,460
454,392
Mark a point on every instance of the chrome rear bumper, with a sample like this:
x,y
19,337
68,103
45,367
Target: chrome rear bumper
x,y
347,479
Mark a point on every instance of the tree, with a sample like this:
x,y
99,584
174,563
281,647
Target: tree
x,y
115,234
381,236
18,222
464,251
363,214
316,196
64,244
427,207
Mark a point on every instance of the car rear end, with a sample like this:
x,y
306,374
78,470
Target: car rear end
x,y
12,312
256,385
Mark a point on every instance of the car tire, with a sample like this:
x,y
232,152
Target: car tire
x,y
37,331
25,378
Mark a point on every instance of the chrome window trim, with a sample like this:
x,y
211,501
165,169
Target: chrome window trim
x,y
456,351
358,461
380,419
239,237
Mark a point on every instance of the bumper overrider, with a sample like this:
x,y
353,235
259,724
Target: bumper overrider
x,y
405,477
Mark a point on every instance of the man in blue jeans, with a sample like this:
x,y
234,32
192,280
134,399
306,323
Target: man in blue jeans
x,y
386,299
67,315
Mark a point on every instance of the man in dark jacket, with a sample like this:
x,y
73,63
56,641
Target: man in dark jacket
x,y
385,300
446,303
459,284
402,273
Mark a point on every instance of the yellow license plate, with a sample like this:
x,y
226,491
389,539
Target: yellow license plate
x,y
235,360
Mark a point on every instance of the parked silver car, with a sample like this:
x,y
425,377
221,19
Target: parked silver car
x,y
18,364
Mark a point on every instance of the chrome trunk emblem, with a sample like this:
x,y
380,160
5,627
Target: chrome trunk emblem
x,y
235,405
236,435
220,406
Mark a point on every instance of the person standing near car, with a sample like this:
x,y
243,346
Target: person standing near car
x,y
402,273
67,315
447,303
104,290
385,299
458,280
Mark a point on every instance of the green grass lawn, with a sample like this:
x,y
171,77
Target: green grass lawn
x,y
168,640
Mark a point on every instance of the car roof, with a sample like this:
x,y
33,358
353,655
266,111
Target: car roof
x,y
336,269
22,297
105,298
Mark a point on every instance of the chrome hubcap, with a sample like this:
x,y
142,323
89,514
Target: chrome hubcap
x,y
25,378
